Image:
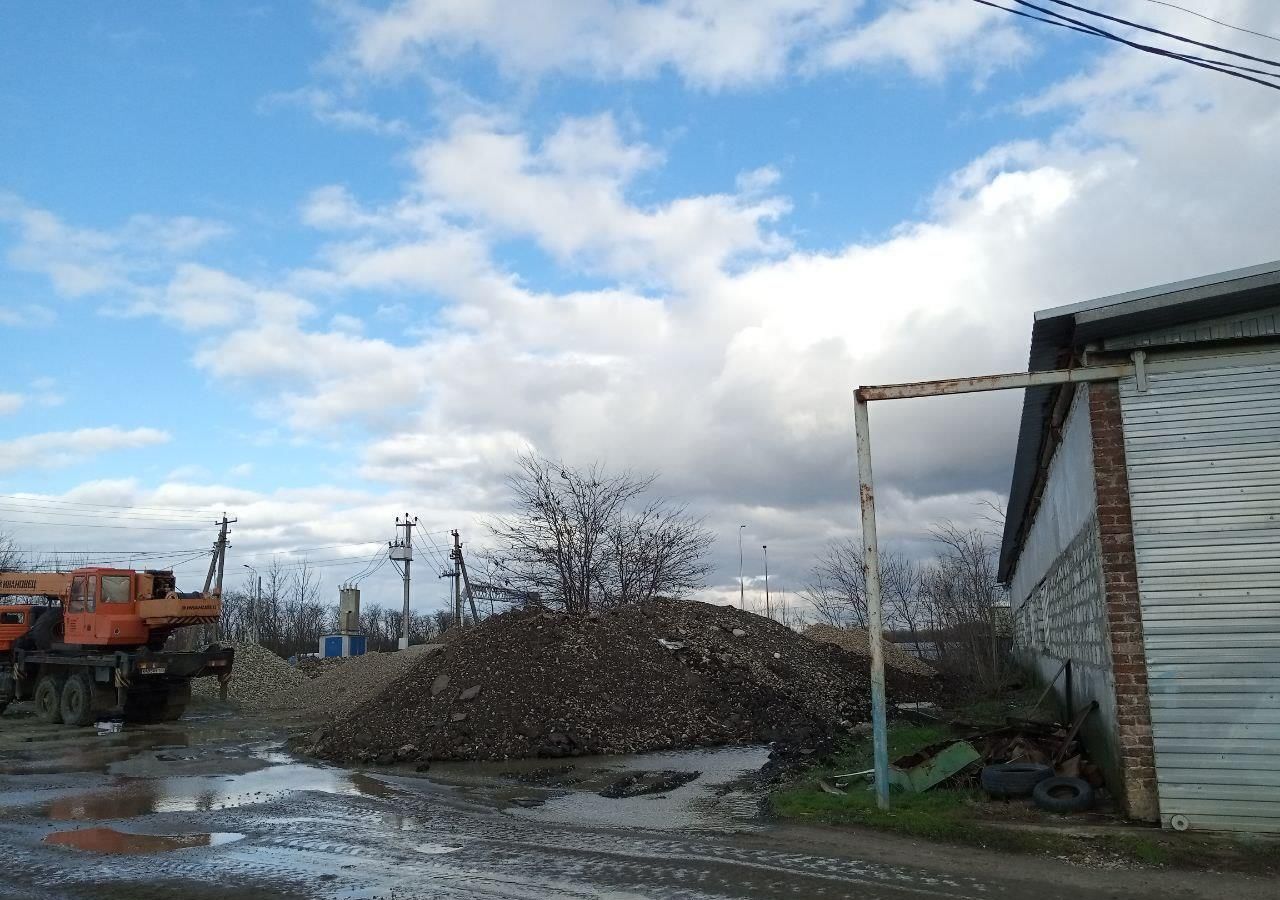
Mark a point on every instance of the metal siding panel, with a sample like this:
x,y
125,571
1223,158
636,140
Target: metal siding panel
x,y
1203,450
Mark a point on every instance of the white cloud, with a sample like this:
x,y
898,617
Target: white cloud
x,y
198,297
330,109
84,261
30,315
929,37
10,403
57,449
710,44
569,193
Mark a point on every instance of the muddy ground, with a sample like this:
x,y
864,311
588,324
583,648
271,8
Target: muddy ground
x,y
213,806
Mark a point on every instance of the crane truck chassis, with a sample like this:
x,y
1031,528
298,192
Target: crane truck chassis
x,y
95,648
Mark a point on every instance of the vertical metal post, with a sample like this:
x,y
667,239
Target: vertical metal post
x,y
768,606
742,591
871,550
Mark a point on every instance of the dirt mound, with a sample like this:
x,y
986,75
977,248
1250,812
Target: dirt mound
x,y
858,642
258,677
345,683
672,675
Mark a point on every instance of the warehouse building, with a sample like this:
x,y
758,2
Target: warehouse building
x,y
1142,543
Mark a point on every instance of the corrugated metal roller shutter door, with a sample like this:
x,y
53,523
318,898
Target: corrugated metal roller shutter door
x,y
1203,452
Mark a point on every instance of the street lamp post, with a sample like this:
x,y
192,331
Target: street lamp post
x,y
742,591
768,609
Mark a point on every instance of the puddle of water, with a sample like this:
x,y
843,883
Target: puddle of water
x,y
202,793
435,849
569,792
108,840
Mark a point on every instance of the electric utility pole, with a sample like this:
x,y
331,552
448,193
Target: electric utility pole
x,y
742,590
402,550
768,609
460,565
218,562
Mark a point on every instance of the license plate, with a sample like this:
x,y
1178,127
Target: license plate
x,y
152,668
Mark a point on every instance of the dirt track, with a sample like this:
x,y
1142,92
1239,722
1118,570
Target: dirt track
x,y
281,827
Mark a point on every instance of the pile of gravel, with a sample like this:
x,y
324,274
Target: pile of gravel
x,y
669,675
858,642
258,678
345,683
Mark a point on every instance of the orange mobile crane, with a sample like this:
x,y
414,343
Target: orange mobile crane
x,y
90,642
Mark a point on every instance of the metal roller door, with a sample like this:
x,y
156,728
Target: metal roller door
x,y
1203,451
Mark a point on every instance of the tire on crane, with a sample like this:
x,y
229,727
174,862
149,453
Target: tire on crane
x,y
77,700
48,699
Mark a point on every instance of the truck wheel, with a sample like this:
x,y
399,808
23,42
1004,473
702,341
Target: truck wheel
x,y
77,700
48,699
144,707
176,701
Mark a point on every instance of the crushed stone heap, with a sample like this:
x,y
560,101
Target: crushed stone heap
x,y
347,682
858,642
258,677
670,675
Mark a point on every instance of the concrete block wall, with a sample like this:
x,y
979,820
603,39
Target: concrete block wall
x,y
1066,618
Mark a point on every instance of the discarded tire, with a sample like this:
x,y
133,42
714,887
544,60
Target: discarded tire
x,y
1013,779
1061,794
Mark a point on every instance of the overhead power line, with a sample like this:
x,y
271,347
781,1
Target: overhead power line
x,y
82,514
1200,15
362,559
178,510
53,551
1150,30
308,549
8,521
1221,66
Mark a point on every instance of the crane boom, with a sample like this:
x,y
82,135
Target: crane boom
x,y
54,585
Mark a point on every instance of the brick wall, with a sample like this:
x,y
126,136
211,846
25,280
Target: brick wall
x,y
1124,614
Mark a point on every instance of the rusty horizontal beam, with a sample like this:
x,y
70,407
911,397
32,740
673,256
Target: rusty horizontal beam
x,y
978,383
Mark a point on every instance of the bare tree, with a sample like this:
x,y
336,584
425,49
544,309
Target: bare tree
x,y
837,585
964,599
580,540
11,558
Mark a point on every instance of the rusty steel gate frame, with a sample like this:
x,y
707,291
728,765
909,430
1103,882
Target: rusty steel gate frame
x,y
866,492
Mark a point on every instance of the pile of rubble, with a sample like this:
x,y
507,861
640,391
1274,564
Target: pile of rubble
x,y
668,675
858,641
258,678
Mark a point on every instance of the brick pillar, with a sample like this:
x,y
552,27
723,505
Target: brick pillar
x,y
1124,614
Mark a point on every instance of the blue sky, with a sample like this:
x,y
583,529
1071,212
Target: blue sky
x,y
316,262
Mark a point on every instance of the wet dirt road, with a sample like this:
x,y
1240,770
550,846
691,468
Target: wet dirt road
x,y
214,807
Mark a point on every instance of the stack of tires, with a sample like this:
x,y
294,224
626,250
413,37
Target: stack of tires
x,y
1052,793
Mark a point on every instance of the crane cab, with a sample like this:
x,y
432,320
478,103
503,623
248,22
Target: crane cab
x,y
15,621
123,608
101,609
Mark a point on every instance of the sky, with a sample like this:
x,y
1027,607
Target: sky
x,y
319,265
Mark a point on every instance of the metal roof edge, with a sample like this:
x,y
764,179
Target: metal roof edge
x,y
1161,290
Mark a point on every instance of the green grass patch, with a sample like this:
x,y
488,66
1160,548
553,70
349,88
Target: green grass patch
x,y
940,814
